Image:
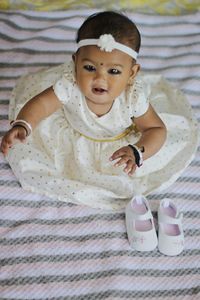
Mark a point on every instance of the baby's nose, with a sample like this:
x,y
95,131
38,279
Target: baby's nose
x,y
100,76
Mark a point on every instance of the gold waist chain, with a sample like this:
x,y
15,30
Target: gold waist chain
x,y
115,138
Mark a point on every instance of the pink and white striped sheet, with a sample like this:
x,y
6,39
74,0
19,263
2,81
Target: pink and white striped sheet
x,y
58,251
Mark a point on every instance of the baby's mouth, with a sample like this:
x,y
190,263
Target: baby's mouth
x,y
99,91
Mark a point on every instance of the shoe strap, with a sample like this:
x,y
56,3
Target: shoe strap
x,y
169,220
143,217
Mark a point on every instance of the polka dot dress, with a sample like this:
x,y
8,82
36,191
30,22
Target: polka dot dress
x,y
65,157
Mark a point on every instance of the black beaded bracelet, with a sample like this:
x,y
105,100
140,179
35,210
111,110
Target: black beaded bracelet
x,y
138,155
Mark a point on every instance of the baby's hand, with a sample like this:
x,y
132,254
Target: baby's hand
x,y
16,133
125,155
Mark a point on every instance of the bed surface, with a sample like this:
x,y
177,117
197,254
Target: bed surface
x,y
55,250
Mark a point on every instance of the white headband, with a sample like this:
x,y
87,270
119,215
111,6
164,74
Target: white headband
x,y
106,42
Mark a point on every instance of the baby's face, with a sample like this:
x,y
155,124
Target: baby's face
x,y
103,76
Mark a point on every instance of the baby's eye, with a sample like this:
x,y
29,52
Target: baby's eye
x,y
114,72
89,68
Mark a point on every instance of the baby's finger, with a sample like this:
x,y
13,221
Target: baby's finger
x,y
5,146
122,161
119,153
129,166
131,172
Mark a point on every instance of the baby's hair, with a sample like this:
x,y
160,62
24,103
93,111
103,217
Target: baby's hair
x,y
109,22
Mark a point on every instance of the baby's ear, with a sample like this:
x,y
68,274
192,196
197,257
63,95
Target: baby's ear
x,y
135,69
74,58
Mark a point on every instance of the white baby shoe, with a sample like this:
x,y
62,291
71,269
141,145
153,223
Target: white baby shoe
x,y
140,225
170,235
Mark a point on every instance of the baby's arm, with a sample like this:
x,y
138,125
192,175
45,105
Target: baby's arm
x,y
39,107
153,131
34,111
153,137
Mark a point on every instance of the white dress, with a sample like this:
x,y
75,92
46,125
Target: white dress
x,y
65,157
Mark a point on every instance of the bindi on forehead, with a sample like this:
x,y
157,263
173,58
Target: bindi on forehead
x,y
101,64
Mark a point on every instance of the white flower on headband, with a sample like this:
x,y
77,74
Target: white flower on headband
x,y
106,42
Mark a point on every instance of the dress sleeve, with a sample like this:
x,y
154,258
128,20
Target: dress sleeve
x,y
138,98
64,86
